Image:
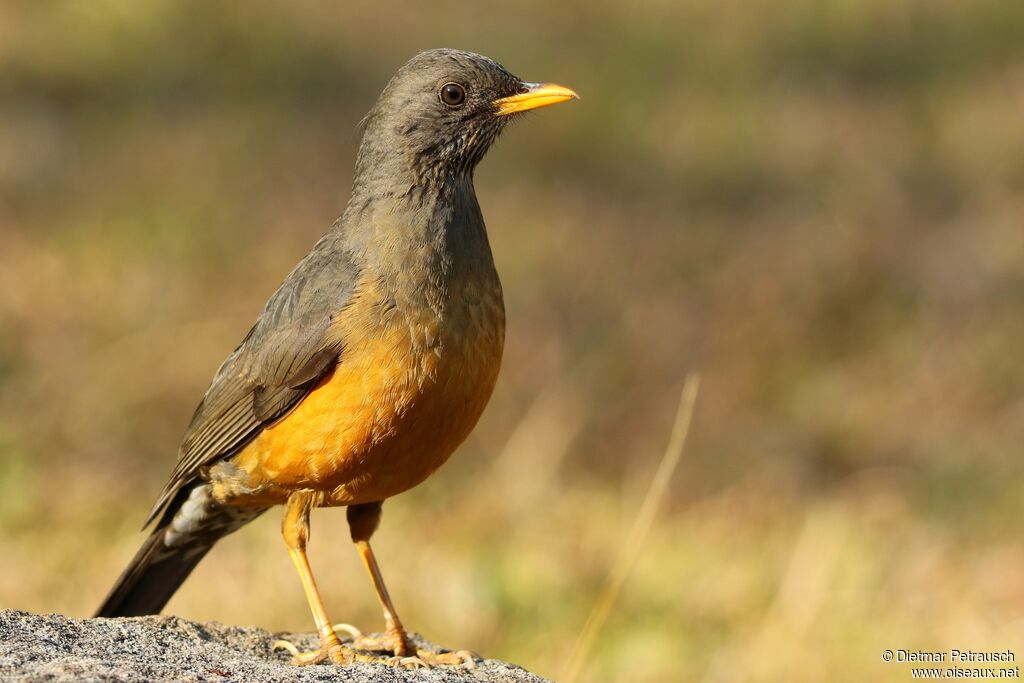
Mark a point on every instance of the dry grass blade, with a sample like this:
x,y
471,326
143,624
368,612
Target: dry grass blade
x,y
638,534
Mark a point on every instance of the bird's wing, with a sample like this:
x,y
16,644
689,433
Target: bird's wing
x,y
284,355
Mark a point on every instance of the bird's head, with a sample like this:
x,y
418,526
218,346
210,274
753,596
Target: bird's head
x,y
442,111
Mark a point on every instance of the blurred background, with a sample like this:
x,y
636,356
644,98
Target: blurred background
x,y
818,205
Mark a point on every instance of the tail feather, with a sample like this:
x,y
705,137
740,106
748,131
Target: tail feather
x,y
193,523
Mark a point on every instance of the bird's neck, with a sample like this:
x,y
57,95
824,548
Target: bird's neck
x,y
403,219
393,170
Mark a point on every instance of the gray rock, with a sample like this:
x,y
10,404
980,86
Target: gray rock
x,y
37,647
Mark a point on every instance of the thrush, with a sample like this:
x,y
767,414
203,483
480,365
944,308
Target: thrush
x,y
371,362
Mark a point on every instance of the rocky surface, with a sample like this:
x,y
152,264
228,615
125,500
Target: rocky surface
x,y
38,647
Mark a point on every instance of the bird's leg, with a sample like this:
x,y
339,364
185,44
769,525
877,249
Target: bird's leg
x,y
363,521
295,529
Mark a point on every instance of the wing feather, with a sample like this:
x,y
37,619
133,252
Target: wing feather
x,y
290,348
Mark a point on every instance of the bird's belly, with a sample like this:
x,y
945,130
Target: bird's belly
x,y
399,402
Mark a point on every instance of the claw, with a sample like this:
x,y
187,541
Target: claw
x,y
300,658
285,645
468,658
407,662
462,658
352,631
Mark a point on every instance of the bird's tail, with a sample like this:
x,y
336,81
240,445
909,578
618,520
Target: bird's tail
x,y
193,522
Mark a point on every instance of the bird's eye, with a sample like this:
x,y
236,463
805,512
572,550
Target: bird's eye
x,y
453,94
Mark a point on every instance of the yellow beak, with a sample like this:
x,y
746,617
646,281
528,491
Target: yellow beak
x,y
536,95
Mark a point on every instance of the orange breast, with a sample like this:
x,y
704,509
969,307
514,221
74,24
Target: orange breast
x,y
411,383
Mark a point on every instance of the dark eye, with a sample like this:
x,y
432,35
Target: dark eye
x,y
453,94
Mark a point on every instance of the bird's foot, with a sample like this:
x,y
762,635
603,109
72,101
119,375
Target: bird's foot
x,y
331,650
405,652
463,658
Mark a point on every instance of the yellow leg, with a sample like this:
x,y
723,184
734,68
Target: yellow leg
x,y
363,521
398,639
295,529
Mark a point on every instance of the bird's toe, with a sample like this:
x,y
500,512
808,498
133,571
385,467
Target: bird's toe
x,y
463,658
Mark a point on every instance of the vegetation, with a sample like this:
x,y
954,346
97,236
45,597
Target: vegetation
x,y
815,204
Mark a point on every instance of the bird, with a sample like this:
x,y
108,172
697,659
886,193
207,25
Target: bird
x,y
367,367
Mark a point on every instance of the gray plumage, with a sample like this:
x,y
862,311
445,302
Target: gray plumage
x,y
417,155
